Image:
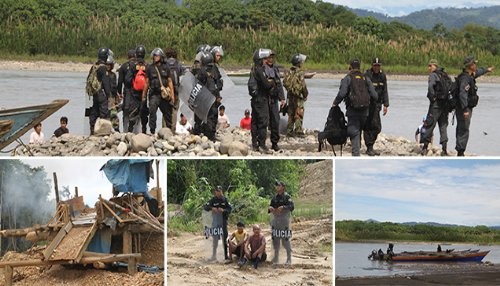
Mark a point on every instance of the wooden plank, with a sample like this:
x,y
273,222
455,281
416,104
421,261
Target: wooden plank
x,y
8,273
84,260
55,242
111,211
136,216
75,242
87,241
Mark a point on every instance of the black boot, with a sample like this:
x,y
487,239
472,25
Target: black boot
x,y
423,152
460,153
444,152
370,151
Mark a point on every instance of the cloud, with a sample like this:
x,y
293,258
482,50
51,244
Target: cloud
x,y
446,191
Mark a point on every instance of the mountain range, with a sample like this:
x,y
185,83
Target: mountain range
x,y
451,18
410,223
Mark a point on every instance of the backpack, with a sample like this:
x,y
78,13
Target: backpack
x,y
292,82
139,80
175,71
93,85
445,86
358,97
335,131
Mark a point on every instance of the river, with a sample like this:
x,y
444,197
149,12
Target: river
x,y
407,99
351,259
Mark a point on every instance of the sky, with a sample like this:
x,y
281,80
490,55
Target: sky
x,y
83,172
405,7
453,191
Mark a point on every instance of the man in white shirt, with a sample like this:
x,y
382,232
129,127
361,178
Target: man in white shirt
x,y
37,136
223,120
183,126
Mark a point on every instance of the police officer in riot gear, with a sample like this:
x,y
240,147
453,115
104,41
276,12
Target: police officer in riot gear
x,y
158,75
219,204
99,107
281,202
266,89
137,108
467,100
373,124
356,116
124,87
176,70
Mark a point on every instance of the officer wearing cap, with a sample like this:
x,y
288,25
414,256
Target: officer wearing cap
x,y
438,109
219,204
356,116
373,123
281,202
467,100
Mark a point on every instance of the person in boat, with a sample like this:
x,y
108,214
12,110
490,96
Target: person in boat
x,y
390,249
63,129
37,137
439,248
380,254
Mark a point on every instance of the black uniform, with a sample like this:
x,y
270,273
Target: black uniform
x,y
356,117
284,200
155,74
176,71
467,100
210,77
137,107
438,111
373,124
124,87
266,89
222,202
100,100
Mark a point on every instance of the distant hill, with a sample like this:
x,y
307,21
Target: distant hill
x,y
412,223
451,18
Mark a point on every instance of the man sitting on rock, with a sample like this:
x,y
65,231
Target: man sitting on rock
x,y
183,126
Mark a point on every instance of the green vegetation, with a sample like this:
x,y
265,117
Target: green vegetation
x,y
249,185
355,230
330,35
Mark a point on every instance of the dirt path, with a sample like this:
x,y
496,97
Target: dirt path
x,y
311,260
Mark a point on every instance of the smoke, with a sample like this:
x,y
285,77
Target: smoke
x,y
24,195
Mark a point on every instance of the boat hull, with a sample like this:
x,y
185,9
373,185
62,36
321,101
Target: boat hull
x,y
442,257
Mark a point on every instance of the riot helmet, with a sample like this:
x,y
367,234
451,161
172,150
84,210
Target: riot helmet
x,y
110,59
217,49
265,53
206,58
102,54
140,52
298,59
157,52
203,48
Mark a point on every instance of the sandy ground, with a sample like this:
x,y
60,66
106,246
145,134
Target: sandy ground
x,y
187,256
459,274
84,67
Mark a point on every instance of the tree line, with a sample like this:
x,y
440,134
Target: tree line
x,y
329,34
356,230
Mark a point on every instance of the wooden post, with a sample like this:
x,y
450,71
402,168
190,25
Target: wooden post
x,y
8,272
56,188
158,189
76,192
127,249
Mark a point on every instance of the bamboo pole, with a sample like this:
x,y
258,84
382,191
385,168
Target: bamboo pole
x,y
134,215
56,188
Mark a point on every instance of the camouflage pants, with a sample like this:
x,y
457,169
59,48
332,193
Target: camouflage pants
x,y
295,115
113,112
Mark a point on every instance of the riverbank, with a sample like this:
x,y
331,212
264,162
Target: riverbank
x,y
435,274
234,142
84,67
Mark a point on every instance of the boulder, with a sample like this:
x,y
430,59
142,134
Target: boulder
x,y
122,149
140,142
237,148
102,127
165,133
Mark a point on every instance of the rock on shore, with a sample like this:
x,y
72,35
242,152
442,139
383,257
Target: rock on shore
x,y
230,142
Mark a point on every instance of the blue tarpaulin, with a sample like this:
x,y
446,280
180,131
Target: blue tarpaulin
x,y
129,175
101,242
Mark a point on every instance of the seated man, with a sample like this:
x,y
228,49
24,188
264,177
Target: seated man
x,y
222,120
237,241
183,126
64,127
255,247
246,122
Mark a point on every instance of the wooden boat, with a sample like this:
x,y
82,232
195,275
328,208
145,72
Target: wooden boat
x,y
432,256
453,256
15,122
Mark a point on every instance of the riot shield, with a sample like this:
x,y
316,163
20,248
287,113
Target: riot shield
x,y
281,233
196,96
228,83
213,227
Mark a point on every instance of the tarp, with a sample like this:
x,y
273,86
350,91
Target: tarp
x,y
101,242
129,175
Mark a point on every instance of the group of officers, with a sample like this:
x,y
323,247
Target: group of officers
x,y
267,96
254,246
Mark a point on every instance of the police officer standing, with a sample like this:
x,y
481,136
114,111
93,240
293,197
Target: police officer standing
x,y
373,123
176,70
124,87
100,99
467,100
297,93
280,203
438,109
219,204
266,89
354,88
137,106
158,75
